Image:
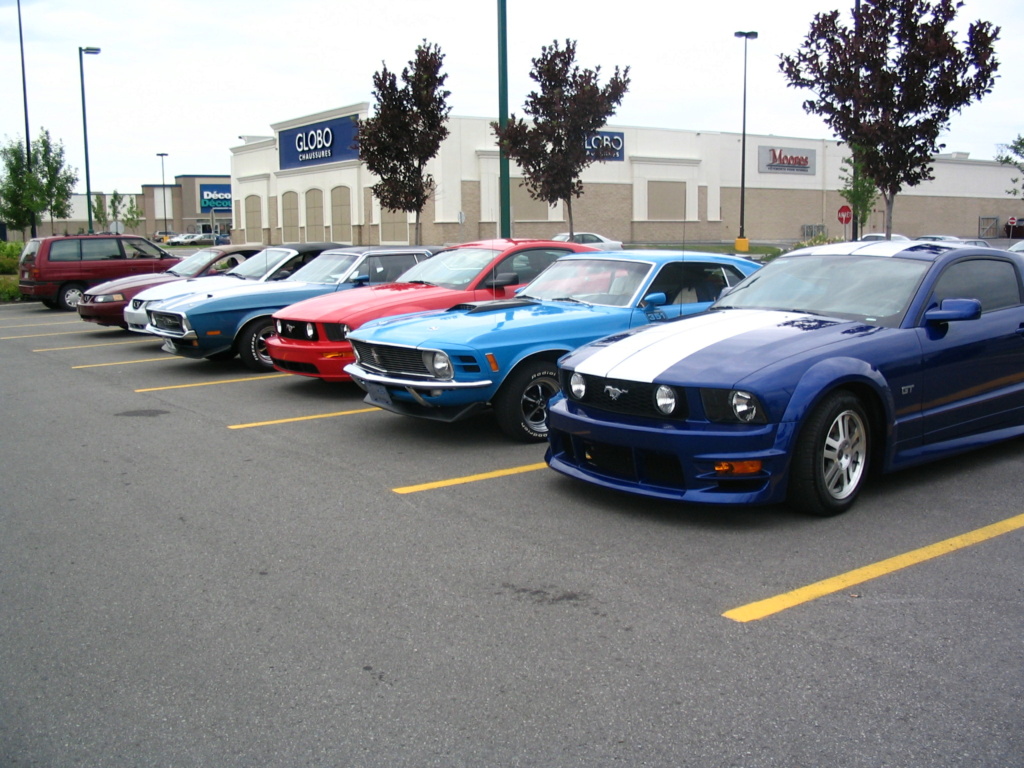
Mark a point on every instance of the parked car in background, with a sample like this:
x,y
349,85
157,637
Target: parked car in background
x,y
827,363
210,239
273,263
58,270
589,238
237,319
976,242
939,238
186,239
881,236
104,304
1017,247
311,337
447,365
163,237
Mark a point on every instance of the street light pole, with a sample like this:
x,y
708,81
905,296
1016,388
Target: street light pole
x,y
742,244
504,179
163,186
85,131
24,95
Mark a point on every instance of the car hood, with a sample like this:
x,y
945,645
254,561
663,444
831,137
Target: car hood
x,y
524,321
133,283
357,307
718,348
250,295
190,285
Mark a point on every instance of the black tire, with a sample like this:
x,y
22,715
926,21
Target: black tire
x,y
69,295
49,303
830,463
521,405
252,345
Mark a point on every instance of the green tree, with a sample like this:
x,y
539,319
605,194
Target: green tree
x,y
889,83
21,194
99,212
116,204
570,107
1012,154
858,189
56,178
406,131
132,214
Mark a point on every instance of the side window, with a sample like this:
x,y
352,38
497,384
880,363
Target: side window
x,y
65,250
529,264
223,265
991,281
100,249
139,249
693,283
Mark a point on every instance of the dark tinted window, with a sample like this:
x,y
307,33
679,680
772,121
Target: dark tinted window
x,y
692,282
140,249
993,282
387,268
529,264
65,250
100,249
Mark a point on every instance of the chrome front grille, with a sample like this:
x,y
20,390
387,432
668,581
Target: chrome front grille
x,y
166,321
383,358
634,398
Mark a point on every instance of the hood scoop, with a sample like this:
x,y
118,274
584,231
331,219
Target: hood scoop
x,y
498,305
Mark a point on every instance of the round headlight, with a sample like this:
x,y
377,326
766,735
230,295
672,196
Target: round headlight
x,y
310,331
744,405
578,386
665,399
279,326
440,365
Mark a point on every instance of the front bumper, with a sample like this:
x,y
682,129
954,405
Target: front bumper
x,y
664,460
424,398
322,359
103,313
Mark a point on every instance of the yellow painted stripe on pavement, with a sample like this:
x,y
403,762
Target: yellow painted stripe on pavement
x,y
41,325
772,605
263,377
301,418
39,335
101,344
469,478
122,362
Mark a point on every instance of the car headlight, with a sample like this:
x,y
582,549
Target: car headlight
x,y
665,399
108,297
439,364
735,406
310,331
279,327
578,385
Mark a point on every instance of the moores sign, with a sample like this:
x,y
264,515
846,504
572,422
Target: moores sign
x,y
214,197
786,160
327,142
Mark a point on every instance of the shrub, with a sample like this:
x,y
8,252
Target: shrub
x,y
9,253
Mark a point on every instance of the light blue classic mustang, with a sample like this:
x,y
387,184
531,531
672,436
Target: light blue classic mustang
x,y
823,364
447,365
220,323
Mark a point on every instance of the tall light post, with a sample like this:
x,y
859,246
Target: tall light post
x,y
163,186
504,179
85,130
24,96
742,244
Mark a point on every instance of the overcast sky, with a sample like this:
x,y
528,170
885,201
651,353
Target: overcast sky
x,y
188,77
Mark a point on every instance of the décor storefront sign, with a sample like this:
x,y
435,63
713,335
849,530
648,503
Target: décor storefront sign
x,y
327,142
786,160
215,197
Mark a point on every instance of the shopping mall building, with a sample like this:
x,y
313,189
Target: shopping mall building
x,y
305,183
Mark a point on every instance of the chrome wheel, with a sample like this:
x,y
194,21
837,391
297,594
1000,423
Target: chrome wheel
x,y
844,455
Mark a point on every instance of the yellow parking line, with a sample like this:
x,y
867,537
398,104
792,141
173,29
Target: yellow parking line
x,y
263,377
301,418
38,335
37,325
469,478
123,362
101,344
759,610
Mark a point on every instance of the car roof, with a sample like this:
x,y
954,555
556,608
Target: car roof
x,y
657,257
386,249
912,249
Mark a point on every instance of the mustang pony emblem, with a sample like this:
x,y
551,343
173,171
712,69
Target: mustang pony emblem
x,y
614,392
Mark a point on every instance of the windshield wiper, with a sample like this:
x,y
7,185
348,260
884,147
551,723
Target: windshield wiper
x,y
570,298
421,282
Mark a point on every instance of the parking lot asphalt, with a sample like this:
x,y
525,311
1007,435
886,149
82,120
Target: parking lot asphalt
x,y
204,566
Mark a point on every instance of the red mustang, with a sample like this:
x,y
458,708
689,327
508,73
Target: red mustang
x,y
311,338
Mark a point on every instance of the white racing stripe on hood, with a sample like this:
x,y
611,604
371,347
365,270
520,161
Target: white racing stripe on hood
x,y
642,356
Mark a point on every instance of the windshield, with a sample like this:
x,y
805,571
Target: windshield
x,y
594,281
869,288
453,269
194,264
260,264
328,267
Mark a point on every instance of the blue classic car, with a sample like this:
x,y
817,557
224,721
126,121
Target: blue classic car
x,y
827,362
220,323
450,364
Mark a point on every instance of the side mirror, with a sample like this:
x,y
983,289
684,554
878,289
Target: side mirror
x,y
954,309
652,300
360,280
501,280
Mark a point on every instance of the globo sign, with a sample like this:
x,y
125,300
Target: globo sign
x,y
329,141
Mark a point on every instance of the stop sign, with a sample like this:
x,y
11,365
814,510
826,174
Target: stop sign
x,y
845,214
1012,221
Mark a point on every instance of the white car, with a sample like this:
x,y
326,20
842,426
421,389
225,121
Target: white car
x,y
589,238
881,236
184,239
1017,247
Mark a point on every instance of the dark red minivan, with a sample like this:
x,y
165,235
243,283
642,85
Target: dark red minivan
x,y
57,270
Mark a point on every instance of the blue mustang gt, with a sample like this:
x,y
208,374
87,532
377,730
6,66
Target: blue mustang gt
x,y
218,324
829,361
447,365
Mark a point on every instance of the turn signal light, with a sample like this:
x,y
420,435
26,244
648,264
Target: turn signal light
x,y
737,467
